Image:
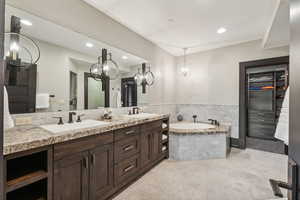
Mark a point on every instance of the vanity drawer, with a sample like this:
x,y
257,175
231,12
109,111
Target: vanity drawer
x,y
127,170
79,145
151,125
126,148
126,132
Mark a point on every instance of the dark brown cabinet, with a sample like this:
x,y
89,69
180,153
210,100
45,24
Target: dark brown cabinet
x,y
71,178
90,168
84,176
146,148
151,135
101,172
83,169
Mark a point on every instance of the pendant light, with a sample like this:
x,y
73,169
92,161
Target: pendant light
x,y
144,77
20,50
106,67
184,68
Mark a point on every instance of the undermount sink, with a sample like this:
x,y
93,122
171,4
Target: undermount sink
x,y
142,115
55,128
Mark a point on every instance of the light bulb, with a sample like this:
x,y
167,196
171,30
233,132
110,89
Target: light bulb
x,y
14,47
184,70
105,67
95,70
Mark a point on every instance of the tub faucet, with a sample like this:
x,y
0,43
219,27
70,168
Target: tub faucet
x,y
214,122
195,118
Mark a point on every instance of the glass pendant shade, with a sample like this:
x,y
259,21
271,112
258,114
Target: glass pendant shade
x,y
138,77
96,70
20,50
149,77
111,69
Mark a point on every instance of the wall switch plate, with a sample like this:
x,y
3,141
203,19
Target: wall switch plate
x,y
23,121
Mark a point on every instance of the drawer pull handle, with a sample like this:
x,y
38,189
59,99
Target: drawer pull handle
x,y
129,132
129,168
128,148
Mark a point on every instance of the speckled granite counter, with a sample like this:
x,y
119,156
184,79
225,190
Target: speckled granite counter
x,y
28,137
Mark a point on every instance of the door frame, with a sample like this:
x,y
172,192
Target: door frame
x,y
123,90
241,142
76,75
106,87
2,67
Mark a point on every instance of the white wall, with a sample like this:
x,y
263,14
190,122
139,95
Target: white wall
x,y
214,75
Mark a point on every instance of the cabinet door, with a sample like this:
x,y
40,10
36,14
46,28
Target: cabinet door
x,y
157,135
71,177
146,148
101,172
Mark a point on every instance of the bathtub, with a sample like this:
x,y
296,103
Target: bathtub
x,y
198,141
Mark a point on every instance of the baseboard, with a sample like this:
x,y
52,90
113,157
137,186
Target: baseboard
x,y
235,142
265,145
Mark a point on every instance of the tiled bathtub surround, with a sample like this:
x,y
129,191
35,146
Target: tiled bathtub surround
x,y
199,146
226,114
188,142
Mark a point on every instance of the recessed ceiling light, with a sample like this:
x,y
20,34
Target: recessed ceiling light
x,y
124,57
221,30
88,44
26,22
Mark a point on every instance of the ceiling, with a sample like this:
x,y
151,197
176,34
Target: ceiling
x,y
278,33
52,33
174,24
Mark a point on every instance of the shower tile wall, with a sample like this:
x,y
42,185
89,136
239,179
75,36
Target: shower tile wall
x,y
226,114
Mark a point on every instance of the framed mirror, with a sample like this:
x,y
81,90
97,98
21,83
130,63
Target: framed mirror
x,y
61,79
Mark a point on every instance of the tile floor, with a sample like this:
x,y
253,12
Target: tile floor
x,y
244,175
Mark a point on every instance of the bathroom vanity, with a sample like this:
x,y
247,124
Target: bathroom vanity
x,y
83,164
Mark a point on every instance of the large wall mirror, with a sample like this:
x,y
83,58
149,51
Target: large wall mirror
x,y
61,80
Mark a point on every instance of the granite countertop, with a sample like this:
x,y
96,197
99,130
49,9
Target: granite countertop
x,y
22,138
208,131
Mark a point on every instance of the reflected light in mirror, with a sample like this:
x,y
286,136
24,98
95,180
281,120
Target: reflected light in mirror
x,y
26,22
88,44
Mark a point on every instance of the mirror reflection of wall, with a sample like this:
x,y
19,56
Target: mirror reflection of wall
x,y
57,81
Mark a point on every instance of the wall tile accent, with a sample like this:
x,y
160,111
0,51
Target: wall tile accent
x,y
226,114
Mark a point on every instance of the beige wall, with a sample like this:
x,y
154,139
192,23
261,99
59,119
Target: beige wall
x,y
81,17
214,75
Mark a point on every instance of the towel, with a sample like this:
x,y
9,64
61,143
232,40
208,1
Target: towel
x,y
8,121
118,99
282,129
42,101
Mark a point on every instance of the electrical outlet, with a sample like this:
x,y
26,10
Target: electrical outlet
x,y
23,121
